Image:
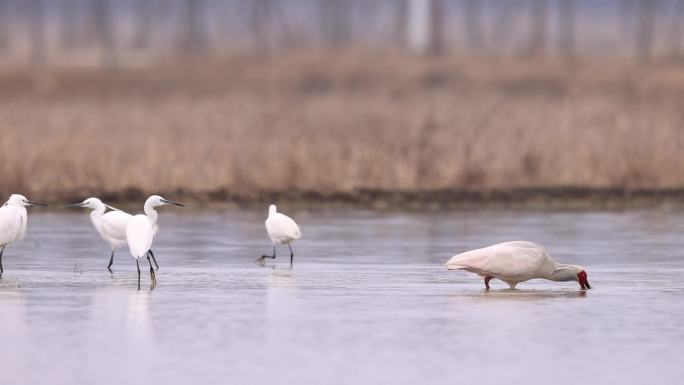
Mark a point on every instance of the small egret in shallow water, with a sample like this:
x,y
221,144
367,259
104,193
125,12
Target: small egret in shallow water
x,y
140,232
111,225
515,262
13,219
282,230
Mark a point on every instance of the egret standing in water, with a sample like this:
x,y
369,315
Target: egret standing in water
x,y
282,230
13,219
140,232
110,225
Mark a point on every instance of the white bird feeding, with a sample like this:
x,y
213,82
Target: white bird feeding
x,y
140,232
515,262
13,220
110,225
282,230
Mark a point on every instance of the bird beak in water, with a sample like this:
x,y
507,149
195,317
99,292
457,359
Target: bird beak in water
x,y
76,205
168,202
584,284
32,203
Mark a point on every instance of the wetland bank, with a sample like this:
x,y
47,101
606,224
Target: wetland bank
x,y
242,128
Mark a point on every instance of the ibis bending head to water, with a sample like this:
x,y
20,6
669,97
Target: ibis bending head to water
x,y
140,232
515,262
13,221
111,225
282,230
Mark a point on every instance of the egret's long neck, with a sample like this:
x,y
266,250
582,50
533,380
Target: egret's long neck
x,y
151,213
97,213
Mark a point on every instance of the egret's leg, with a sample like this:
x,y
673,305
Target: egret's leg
x,y
291,254
111,260
1,251
152,275
154,259
138,265
270,256
487,279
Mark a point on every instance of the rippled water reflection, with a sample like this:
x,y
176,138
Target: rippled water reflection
x,y
368,301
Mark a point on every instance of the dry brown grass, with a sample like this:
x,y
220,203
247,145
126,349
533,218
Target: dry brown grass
x,y
306,122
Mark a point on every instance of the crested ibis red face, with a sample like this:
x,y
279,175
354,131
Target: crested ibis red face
x,y
582,279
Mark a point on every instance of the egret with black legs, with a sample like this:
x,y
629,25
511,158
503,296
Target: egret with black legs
x,y
282,230
140,232
13,220
110,225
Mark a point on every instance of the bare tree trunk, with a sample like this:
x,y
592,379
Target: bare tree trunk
x,y
37,23
437,22
473,25
504,24
626,12
400,18
426,26
676,31
68,10
279,17
336,21
144,15
566,27
645,30
195,39
262,12
102,18
4,25
538,21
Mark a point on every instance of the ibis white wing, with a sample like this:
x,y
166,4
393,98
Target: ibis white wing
x,y
139,235
508,259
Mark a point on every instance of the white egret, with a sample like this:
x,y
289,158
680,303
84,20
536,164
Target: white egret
x,y
282,230
110,225
13,219
515,262
140,232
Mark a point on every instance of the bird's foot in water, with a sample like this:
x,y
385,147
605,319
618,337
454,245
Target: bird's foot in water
x,y
153,277
262,260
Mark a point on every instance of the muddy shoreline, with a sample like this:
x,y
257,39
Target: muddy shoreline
x,y
575,198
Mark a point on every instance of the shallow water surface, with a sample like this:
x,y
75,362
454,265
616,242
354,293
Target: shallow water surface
x,y
368,301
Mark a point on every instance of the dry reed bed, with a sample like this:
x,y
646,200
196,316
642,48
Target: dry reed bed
x,y
247,126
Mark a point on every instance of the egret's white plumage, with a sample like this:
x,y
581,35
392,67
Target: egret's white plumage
x,y
13,221
110,225
515,262
141,229
139,235
282,230
113,228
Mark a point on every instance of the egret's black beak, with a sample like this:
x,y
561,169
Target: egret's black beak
x,y
586,283
75,205
32,203
168,202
